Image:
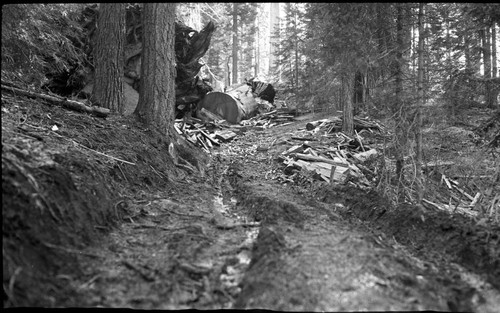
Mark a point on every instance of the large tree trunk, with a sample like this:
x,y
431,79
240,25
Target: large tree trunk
x,y
157,86
108,57
190,46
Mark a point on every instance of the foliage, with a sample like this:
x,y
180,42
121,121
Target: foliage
x,y
337,38
331,38
43,40
219,52
291,54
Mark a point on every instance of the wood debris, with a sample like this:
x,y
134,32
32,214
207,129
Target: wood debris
x,y
331,158
271,119
67,103
334,124
212,129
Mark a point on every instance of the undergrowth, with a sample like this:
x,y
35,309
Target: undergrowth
x,y
43,41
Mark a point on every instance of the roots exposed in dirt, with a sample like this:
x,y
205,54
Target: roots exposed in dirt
x,y
454,237
106,213
62,190
44,213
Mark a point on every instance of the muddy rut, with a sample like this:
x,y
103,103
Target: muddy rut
x,y
236,238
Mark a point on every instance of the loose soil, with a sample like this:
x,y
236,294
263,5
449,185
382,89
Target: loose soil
x,y
98,214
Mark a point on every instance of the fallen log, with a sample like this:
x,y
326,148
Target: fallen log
x,y
206,115
233,106
223,105
69,104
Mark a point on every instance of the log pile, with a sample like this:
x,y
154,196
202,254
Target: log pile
x,y
334,158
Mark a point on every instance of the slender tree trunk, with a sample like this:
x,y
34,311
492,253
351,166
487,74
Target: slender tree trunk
x,y
347,118
228,72
274,25
108,57
157,86
470,61
486,38
494,50
296,55
487,53
257,50
467,52
235,43
398,108
420,104
451,100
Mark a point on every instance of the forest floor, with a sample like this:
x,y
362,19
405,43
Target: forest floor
x,y
97,214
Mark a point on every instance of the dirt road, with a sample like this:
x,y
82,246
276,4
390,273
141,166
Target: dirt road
x,y
238,237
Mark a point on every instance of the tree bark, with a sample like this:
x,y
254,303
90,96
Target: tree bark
x,y
420,103
467,52
108,57
485,41
274,38
348,117
235,43
398,109
494,50
257,49
157,86
296,31
451,102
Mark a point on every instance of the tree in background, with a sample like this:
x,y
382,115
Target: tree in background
x,y
341,41
486,16
420,103
247,34
235,43
231,57
157,86
399,107
274,38
290,57
108,56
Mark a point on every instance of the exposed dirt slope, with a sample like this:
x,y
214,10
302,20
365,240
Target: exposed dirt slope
x,y
117,224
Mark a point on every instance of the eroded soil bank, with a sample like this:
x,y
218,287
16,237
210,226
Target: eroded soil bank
x,y
82,229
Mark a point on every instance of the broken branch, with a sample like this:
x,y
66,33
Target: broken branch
x,y
69,104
